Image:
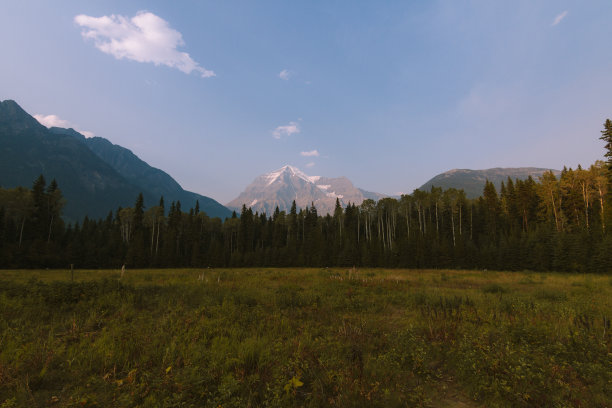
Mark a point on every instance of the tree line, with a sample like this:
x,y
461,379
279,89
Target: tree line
x,y
560,224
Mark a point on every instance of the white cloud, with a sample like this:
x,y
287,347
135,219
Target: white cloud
x,y
559,18
312,153
52,120
311,164
143,38
55,121
86,133
285,74
286,130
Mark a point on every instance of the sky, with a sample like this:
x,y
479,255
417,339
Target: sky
x,y
388,94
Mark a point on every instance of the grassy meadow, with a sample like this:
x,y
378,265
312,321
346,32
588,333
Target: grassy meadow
x,y
304,338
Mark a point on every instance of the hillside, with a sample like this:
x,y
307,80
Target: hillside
x,y
27,149
473,181
91,186
157,182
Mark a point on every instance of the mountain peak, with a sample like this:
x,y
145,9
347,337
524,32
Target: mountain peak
x,y
281,187
11,104
289,171
13,117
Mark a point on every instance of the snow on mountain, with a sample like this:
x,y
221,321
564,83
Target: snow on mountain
x,y
293,171
281,187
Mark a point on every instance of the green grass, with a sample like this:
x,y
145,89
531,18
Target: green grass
x,y
304,337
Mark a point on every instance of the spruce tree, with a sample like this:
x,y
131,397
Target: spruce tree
x,y
491,208
162,206
338,212
55,202
39,207
606,136
139,212
136,255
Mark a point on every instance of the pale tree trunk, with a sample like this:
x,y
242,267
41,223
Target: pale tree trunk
x,y
21,231
453,225
157,239
552,197
459,219
408,223
586,199
437,227
152,236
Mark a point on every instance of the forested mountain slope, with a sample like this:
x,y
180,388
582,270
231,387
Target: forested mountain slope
x,y
28,149
94,175
148,178
473,181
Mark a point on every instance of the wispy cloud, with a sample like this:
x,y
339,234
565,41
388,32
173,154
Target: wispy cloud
x,y
55,121
287,130
559,18
285,74
311,164
312,153
145,37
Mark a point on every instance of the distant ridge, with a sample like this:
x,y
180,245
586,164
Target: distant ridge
x,y
473,181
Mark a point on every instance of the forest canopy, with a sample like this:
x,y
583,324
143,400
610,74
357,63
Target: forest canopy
x,y
552,223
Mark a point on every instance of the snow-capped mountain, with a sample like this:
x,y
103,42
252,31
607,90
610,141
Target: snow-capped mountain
x,y
281,187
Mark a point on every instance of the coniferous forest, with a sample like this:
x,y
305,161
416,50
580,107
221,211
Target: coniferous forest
x,y
560,224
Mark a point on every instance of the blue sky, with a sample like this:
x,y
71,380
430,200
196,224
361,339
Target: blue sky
x,y
388,94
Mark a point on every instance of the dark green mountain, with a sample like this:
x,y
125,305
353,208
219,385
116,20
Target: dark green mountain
x,y
90,185
151,179
27,149
473,181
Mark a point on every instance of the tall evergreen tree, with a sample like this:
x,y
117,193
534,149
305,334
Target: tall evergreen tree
x,y
39,208
139,212
55,203
606,136
492,209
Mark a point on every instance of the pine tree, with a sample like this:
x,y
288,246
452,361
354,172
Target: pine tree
x,y
606,136
293,225
39,208
492,209
245,231
139,212
55,202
